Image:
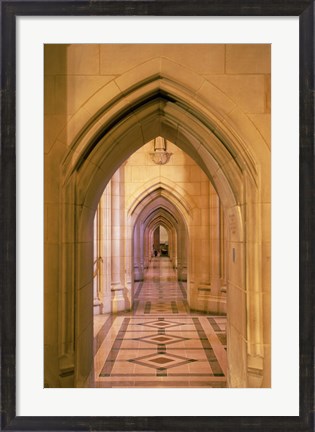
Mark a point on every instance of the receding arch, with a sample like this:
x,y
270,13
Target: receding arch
x,y
164,188
154,207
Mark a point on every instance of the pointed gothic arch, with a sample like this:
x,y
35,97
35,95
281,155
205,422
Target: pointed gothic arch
x,y
221,140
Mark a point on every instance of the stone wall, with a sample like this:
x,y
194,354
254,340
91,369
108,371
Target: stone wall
x,y
102,103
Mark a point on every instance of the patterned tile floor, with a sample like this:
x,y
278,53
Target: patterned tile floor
x,y
160,343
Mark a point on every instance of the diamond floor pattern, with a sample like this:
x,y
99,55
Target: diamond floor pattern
x,y
159,343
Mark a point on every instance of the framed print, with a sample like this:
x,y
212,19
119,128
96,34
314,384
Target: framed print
x,y
156,265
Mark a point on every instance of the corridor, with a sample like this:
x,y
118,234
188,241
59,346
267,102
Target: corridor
x,y
157,148
160,343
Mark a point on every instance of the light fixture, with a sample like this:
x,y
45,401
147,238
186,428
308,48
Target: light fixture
x,y
160,155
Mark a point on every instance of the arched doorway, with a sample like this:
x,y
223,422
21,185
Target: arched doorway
x,y
163,240
157,292
162,108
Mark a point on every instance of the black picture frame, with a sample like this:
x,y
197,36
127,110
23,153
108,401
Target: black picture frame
x,y
10,9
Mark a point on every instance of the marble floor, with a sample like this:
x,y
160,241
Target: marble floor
x,y
160,343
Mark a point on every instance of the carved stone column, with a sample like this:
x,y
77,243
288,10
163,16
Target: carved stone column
x,y
215,255
118,288
98,260
106,203
138,272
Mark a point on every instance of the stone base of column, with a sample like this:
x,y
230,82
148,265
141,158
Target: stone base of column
x,y
138,274
107,303
120,300
215,305
181,273
66,379
66,371
255,373
210,304
97,307
203,299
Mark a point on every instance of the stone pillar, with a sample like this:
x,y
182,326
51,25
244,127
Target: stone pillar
x,y
237,310
97,261
217,301
223,240
156,239
203,257
119,291
202,275
222,254
214,242
106,203
141,245
146,248
172,246
128,262
181,255
138,252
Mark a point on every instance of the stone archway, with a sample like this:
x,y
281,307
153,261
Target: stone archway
x,y
164,107
161,204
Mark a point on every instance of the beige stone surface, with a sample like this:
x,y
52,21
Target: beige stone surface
x,y
201,58
268,92
237,359
119,58
54,124
85,362
55,59
244,90
83,59
49,95
263,124
78,89
176,72
248,58
208,94
213,104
